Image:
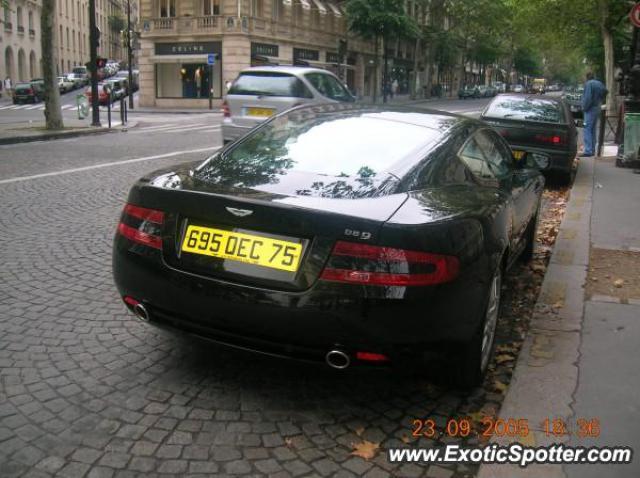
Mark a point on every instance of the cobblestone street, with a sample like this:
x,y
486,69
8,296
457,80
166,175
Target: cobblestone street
x,y
88,390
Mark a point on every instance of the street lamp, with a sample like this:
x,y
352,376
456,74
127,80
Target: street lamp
x,y
129,54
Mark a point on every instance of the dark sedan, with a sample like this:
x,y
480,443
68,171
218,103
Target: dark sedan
x,y
352,235
541,127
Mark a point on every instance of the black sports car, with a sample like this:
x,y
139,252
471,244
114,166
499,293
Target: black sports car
x,y
348,234
540,126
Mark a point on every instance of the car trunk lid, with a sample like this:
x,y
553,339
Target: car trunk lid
x,y
305,227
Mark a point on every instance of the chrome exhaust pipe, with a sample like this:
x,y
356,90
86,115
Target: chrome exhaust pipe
x,y
141,312
337,359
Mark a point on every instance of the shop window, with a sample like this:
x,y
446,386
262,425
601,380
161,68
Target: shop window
x,y
211,7
166,8
187,80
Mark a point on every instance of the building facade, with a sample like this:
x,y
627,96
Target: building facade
x,y
20,41
179,37
72,31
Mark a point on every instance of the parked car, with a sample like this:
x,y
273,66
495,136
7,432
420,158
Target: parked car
x,y
78,80
487,91
28,92
103,95
518,89
541,127
469,91
573,97
82,73
65,84
260,92
118,88
303,240
124,74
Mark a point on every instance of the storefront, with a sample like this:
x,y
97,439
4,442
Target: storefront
x,y
264,54
182,70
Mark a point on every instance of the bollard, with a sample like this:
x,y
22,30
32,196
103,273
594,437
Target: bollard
x,y
109,108
122,107
601,130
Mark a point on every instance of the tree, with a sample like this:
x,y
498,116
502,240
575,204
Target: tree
x,y
380,20
52,110
576,22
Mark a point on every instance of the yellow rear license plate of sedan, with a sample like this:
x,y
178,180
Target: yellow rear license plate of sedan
x,y
262,112
518,155
247,248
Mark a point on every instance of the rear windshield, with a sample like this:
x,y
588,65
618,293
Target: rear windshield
x,y
269,84
528,109
356,144
329,86
23,86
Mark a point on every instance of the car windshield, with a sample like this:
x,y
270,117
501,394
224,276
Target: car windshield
x,y
529,109
328,86
351,146
269,84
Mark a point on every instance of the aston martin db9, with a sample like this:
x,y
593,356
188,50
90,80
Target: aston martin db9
x,y
347,234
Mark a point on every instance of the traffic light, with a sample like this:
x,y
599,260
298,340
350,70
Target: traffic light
x,y
342,50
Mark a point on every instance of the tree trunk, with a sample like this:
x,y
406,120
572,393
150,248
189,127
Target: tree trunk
x,y
609,72
376,83
609,60
52,111
385,73
414,83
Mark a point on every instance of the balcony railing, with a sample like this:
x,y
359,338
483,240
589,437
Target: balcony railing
x,y
32,32
219,24
8,26
20,29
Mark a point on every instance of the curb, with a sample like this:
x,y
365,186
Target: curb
x,y
546,373
64,134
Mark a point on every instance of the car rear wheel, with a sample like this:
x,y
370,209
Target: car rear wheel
x,y
477,354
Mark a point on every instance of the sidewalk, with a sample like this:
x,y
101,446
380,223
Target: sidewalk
x,y
580,358
34,130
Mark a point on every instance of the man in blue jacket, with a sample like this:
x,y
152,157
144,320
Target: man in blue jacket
x,y
592,98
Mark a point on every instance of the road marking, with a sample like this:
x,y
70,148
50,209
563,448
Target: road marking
x,y
184,128
106,165
19,107
32,107
167,125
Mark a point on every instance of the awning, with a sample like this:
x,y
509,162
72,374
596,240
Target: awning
x,y
336,11
321,8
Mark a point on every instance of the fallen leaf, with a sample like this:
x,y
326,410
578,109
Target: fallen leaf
x,y
499,386
365,449
405,439
618,283
359,431
289,442
504,358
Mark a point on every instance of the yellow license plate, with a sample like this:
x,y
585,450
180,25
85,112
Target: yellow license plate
x,y
262,112
247,248
518,155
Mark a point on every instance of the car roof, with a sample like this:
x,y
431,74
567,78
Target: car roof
x,y
555,99
292,70
426,118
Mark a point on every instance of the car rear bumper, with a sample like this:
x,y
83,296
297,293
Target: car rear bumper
x,y
560,161
306,324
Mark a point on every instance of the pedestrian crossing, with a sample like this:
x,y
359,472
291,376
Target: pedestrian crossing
x,y
176,128
40,107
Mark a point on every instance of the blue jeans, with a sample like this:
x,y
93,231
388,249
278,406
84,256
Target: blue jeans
x,y
590,121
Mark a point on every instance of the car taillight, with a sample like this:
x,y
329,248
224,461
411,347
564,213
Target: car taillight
x,y
226,112
553,139
386,266
142,225
29,91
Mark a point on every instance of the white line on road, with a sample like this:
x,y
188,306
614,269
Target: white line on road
x,y
106,165
185,128
166,126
